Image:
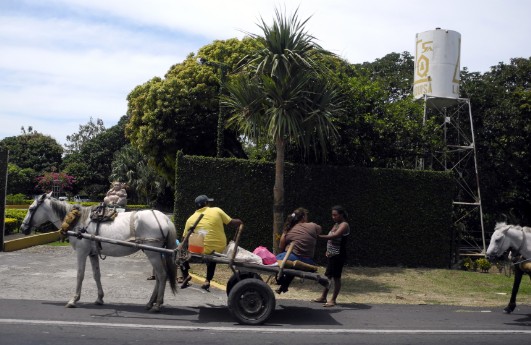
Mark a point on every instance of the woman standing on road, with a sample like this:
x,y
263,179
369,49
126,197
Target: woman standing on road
x,y
336,252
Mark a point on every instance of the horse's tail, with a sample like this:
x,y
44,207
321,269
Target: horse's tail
x,y
171,267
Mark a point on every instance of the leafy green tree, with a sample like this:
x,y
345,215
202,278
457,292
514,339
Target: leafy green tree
x,y
34,150
383,125
501,105
86,132
180,111
91,165
20,181
283,95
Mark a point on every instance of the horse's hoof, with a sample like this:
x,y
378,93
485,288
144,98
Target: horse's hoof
x,y
509,309
70,305
98,302
155,309
149,306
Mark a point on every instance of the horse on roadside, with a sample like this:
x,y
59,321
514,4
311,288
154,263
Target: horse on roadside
x,y
517,239
147,226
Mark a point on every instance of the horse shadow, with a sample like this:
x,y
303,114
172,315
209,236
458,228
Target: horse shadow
x,y
284,315
524,320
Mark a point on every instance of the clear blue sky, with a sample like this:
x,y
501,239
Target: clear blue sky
x,y
65,61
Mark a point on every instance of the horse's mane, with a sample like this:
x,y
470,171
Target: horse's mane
x,y
61,209
514,226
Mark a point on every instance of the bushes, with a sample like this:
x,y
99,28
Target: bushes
x,y
482,264
17,199
11,225
13,219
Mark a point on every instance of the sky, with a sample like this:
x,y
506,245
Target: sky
x,y
63,62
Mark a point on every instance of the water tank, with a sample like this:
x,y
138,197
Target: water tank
x,y
437,64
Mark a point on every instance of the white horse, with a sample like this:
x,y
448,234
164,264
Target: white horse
x,y
517,239
147,227
507,236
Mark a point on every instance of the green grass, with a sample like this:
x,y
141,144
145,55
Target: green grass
x,y
397,285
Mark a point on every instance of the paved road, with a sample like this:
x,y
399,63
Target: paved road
x,y
35,283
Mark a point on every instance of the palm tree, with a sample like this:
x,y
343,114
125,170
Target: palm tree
x,y
283,95
131,167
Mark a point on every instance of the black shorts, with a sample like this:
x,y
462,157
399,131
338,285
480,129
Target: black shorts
x,y
335,266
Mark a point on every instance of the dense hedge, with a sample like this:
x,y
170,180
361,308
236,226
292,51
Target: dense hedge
x,y
398,217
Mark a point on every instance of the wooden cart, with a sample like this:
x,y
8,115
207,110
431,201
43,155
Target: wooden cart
x,y
251,300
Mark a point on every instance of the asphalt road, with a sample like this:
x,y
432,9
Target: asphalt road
x,y
36,283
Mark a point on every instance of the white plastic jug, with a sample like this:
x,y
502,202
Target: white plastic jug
x,y
196,242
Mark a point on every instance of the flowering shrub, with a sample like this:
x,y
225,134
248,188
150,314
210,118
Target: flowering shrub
x,y
11,225
46,182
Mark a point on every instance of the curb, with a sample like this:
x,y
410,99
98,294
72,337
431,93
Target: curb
x,y
30,241
200,279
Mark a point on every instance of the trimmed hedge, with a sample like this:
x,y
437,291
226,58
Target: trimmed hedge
x,y
397,217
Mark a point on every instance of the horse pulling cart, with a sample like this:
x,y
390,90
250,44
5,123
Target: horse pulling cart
x,y
250,300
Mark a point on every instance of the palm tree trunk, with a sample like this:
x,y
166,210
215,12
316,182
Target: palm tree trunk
x,y
278,193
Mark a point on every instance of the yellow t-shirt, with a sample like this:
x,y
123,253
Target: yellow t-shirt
x,y
212,222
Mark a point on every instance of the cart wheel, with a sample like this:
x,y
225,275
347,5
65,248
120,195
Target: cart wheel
x,y
237,277
251,301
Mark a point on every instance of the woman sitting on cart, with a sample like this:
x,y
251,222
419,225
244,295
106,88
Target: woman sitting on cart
x,y
304,236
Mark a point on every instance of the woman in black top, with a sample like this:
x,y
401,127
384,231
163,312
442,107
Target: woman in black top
x,y
336,253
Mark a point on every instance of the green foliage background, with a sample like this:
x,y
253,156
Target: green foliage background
x,y
397,217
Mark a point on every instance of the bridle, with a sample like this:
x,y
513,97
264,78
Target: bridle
x,y
32,211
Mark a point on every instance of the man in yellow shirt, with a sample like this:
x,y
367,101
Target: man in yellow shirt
x,y
212,222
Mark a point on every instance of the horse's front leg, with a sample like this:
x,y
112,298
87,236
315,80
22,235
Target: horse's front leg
x,y
95,263
518,273
81,263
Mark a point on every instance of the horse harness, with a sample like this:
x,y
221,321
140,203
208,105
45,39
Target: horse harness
x,y
522,261
102,214
522,244
98,215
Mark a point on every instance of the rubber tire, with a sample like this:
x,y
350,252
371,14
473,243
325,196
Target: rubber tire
x,y
251,301
237,277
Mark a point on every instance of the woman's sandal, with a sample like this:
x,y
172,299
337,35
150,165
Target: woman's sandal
x,y
328,305
206,287
186,282
319,300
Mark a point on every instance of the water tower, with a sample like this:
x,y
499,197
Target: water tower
x,y
436,84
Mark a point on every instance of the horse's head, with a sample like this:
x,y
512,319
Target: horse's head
x,y
499,243
37,214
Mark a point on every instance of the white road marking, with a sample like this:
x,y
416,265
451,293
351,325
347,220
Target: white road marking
x,y
264,329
